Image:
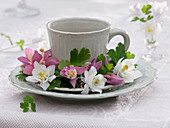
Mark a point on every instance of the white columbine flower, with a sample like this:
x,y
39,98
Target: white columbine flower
x,y
152,28
92,81
126,70
42,74
135,10
159,8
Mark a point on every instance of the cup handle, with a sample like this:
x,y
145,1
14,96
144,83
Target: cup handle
x,y
115,32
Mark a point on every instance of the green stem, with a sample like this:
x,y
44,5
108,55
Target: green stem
x,y
8,37
10,41
152,41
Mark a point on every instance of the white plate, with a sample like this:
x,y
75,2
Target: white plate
x,y
79,89
149,75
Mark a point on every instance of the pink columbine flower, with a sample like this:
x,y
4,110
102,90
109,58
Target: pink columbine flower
x,y
113,79
97,65
71,72
28,59
106,61
32,56
48,61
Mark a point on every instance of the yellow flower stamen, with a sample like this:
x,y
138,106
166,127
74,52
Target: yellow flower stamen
x,y
125,67
96,81
42,50
149,30
72,74
42,75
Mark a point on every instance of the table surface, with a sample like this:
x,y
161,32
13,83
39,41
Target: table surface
x,y
146,108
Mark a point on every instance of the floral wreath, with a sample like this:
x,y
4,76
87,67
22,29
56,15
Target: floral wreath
x,y
115,68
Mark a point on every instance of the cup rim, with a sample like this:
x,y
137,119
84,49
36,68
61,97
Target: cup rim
x,y
78,33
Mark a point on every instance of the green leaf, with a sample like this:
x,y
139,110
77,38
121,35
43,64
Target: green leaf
x,y
102,70
21,76
20,44
54,83
130,55
73,55
7,37
77,59
62,64
33,107
149,17
143,20
102,58
109,66
135,19
57,72
24,105
148,12
146,8
136,65
117,54
28,99
25,109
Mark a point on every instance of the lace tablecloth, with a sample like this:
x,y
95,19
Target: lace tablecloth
x,y
146,108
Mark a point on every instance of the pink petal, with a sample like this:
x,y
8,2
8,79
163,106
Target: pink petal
x,y
24,60
73,82
36,57
98,65
106,61
51,61
28,69
80,70
63,72
113,79
46,54
93,62
28,51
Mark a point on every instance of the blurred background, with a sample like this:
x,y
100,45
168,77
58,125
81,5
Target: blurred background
x,y
33,29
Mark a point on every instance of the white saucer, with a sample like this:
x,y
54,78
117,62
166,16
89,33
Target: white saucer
x,y
149,75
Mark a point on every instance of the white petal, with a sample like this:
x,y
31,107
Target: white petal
x,y
159,28
89,76
96,90
31,79
137,74
116,69
36,64
86,74
102,81
51,70
92,72
51,78
85,90
44,85
38,68
128,79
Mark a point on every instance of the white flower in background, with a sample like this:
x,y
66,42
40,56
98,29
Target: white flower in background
x,y
126,70
152,28
92,81
159,8
43,46
42,74
135,10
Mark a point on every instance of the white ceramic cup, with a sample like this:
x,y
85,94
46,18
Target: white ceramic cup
x,y
67,34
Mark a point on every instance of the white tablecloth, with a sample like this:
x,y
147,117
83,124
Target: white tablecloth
x,y
146,108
